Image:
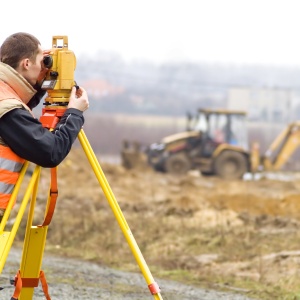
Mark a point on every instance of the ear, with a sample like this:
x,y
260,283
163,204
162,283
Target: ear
x,y
25,63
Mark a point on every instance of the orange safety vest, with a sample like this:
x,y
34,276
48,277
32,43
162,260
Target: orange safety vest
x,y
10,163
10,167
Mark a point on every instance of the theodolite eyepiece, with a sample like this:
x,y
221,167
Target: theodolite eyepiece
x,y
48,61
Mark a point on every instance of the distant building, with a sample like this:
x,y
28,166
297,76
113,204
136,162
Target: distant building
x,y
269,111
265,104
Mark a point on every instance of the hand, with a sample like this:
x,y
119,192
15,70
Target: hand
x,y
78,99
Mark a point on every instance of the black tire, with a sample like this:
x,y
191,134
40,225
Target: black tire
x,y
230,165
177,164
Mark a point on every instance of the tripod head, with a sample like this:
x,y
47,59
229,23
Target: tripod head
x,y
60,77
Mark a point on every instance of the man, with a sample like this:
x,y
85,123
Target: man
x,y
22,136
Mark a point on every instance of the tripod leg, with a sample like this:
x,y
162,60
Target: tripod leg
x,y
33,250
6,237
152,285
29,275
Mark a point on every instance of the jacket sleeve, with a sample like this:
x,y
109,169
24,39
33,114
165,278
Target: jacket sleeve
x,y
27,137
36,99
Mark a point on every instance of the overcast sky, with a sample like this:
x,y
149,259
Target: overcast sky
x,y
230,31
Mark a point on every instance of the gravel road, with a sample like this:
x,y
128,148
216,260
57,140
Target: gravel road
x,y
76,279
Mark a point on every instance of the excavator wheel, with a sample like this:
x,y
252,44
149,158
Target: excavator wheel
x,y
230,165
177,164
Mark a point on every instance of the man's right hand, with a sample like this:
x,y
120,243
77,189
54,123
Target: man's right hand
x,y
78,99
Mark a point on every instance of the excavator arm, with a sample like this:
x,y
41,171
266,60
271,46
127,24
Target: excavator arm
x,y
282,147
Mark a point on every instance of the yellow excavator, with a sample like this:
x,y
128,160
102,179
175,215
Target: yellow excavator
x,y
215,143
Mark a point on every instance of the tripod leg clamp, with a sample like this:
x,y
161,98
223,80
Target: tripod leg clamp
x,y
29,282
154,288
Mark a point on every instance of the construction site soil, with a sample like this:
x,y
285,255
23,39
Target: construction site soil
x,y
219,239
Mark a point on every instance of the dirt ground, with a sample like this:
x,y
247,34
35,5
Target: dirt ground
x,y
69,278
228,235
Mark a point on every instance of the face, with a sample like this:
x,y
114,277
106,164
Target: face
x,y
31,69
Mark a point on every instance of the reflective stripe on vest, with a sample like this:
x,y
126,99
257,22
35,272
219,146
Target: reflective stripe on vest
x,y
10,167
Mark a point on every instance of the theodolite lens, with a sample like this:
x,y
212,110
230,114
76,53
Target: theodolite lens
x,y
48,61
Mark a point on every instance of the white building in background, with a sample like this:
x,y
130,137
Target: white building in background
x,y
269,111
266,104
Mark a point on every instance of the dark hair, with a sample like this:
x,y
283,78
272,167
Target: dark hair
x,y
17,47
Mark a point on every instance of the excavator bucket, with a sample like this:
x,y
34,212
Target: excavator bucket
x,y
132,157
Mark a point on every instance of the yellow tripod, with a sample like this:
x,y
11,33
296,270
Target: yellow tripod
x,y
30,273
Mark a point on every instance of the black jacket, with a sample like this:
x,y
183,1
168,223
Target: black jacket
x,y
27,137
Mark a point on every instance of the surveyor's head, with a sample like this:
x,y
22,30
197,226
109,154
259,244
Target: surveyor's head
x,y
23,52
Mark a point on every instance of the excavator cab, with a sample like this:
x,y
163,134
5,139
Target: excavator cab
x,y
224,127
